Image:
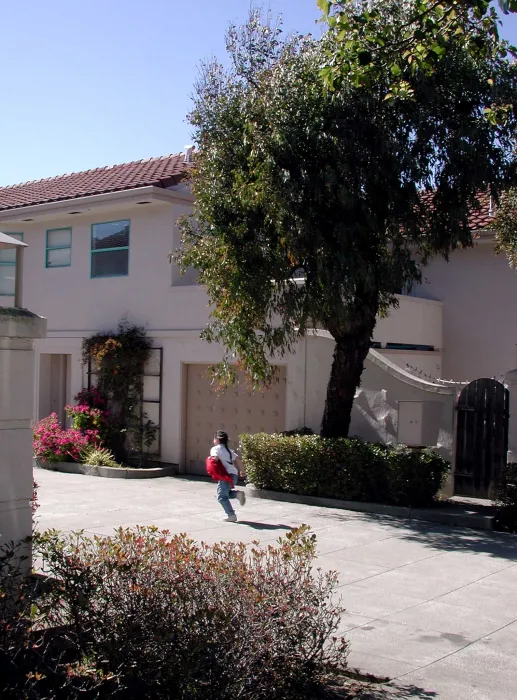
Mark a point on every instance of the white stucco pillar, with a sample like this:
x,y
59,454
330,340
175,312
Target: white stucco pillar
x,y
18,330
510,380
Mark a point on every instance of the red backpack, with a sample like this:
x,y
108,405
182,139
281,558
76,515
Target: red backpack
x,y
216,469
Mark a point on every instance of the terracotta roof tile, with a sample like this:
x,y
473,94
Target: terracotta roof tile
x,y
160,172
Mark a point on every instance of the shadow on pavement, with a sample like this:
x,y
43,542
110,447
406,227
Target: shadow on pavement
x,y
397,691
442,538
263,526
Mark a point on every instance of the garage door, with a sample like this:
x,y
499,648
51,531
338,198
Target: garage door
x,y
237,411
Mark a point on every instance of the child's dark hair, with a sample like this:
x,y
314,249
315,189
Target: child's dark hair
x,y
223,439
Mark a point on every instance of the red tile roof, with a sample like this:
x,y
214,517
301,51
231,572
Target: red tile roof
x,y
160,172
481,220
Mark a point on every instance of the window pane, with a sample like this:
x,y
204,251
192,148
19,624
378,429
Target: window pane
x,y
9,255
59,257
113,262
7,273
59,237
112,235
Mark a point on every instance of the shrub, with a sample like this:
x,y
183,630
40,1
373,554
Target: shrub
x,y
343,468
85,418
57,444
506,500
160,616
98,457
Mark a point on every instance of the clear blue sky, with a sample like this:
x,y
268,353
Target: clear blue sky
x,y
86,84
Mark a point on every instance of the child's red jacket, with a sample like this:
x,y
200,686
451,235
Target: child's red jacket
x,y
216,469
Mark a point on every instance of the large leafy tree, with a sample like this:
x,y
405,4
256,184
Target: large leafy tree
x,y
314,208
365,46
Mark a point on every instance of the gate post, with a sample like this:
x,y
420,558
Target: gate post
x,y
18,330
510,380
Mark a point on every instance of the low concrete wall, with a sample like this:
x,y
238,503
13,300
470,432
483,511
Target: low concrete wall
x,y
18,329
107,472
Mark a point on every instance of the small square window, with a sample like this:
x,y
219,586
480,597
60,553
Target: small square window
x,y
59,247
7,280
8,268
110,249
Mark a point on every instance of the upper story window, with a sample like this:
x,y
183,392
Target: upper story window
x,y
8,268
110,249
59,247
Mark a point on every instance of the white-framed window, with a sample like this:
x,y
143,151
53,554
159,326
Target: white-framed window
x,y
58,251
110,249
8,268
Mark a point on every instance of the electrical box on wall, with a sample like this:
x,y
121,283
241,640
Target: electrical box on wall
x,y
419,423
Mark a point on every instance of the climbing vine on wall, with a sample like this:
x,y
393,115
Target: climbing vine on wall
x,y
118,360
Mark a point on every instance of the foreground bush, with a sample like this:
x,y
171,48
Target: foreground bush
x,y
506,500
343,468
147,615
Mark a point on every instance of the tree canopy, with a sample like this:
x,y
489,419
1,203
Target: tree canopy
x,y
365,45
316,207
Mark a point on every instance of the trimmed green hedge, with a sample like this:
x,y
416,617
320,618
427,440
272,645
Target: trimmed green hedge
x,y
344,468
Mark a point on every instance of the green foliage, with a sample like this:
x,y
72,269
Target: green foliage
x,y
505,227
420,36
118,359
343,468
98,457
148,614
506,500
309,203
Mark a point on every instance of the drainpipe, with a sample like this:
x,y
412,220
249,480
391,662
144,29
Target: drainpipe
x,y
18,278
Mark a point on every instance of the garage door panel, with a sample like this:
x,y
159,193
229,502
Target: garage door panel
x,y
237,411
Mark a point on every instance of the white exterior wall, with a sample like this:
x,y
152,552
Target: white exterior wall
x,y
173,311
479,292
415,322
383,385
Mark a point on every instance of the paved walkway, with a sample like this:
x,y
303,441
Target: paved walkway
x,y
433,607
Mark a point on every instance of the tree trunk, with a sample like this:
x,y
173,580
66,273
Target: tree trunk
x,y
347,366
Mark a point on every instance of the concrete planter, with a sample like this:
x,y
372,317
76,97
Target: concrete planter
x,y
106,472
455,517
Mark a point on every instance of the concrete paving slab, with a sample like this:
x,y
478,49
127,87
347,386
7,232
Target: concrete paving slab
x,y
430,606
473,673
452,619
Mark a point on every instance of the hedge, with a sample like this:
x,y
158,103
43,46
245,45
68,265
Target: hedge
x,y
343,468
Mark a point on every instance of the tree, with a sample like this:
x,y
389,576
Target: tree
x,y
505,227
365,45
315,208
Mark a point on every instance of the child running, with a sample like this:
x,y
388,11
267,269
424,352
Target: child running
x,y
232,464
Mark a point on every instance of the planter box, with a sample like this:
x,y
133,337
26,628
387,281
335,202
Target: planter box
x,y
106,472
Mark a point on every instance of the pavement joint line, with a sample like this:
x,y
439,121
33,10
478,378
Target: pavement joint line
x,y
475,641
442,595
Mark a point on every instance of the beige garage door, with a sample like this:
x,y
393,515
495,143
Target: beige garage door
x,y
236,411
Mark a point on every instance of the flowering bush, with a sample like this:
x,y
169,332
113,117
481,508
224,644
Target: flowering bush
x,y
144,614
85,418
197,621
93,398
54,443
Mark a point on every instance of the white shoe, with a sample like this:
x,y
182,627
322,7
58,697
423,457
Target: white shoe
x,y
230,519
241,497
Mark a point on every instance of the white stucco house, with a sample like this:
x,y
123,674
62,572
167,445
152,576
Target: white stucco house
x,y
98,244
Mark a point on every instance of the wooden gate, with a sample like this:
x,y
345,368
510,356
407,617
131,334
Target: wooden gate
x,y
482,437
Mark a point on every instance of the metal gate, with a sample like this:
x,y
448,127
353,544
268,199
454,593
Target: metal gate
x,y
482,437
